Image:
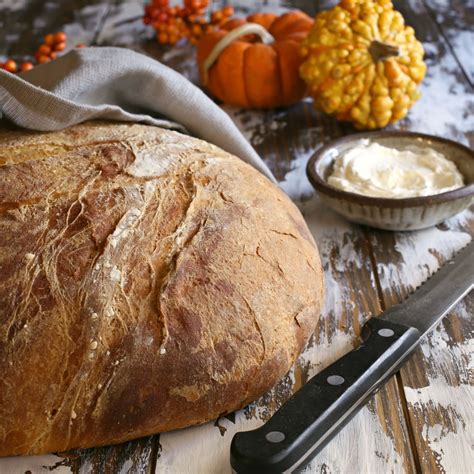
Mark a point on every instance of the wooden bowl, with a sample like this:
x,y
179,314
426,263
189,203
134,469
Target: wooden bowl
x,y
388,213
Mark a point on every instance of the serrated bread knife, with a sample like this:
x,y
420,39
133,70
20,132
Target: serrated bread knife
x,y
319,410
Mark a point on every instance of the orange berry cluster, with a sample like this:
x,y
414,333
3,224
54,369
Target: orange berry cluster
x,y
53,44
188,21
11,66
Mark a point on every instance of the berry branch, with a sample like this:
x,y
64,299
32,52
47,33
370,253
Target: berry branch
x,y
52,45
189,21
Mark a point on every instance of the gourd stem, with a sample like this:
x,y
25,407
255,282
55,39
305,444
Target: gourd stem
x,y
232,35
382,51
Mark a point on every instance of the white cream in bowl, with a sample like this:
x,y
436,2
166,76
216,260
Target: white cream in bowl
x,y
374,170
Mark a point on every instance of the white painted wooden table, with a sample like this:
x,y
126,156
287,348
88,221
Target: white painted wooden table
x,y
422,420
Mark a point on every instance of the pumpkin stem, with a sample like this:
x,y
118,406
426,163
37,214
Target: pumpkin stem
x,y
382,51
232,35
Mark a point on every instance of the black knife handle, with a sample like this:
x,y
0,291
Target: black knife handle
x,y
315,413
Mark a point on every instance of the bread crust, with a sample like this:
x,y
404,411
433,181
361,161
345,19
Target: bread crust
x,y
148,281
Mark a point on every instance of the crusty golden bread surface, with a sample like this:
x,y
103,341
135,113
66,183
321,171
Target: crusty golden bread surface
x,y
148,281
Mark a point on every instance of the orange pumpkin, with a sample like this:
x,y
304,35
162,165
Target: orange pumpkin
x,y
254,63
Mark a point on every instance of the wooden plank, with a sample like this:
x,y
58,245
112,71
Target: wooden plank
x,y
135,456
438,379
376,440
138,456
455,19
437,383
446,106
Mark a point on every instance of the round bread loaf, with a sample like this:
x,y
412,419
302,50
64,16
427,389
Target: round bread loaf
x,y
148,281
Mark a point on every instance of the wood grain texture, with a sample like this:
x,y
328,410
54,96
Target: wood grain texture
x,y
439,405
135,456
437,380
432,399
345,253
446,106
455,20
138,456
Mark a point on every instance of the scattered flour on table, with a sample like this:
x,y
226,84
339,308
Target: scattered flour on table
x,y
449,99
13,5
463,311
127,467
201,449
325,352
444,357
329,230
438,4
332,231
462,42
348,450
34,464
451,441
257,125
418,253
463,219
295,182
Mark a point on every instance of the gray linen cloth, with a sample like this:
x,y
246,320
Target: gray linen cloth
x,y
118,84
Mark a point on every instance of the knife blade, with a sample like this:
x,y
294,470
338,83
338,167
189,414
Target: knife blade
x,y
301,428
434,298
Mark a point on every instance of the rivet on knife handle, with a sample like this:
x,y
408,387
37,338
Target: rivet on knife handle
x,y
311,418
